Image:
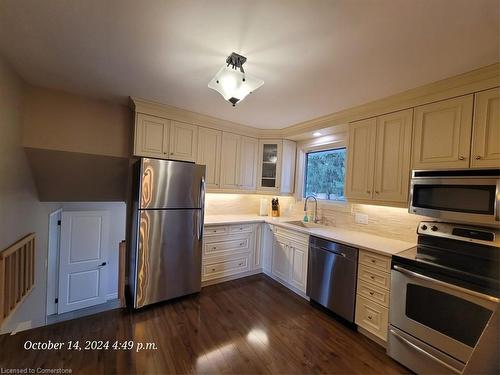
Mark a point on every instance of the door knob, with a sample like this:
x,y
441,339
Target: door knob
x,y
477,157
102,264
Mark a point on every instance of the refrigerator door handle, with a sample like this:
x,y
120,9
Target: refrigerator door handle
x,y
202,210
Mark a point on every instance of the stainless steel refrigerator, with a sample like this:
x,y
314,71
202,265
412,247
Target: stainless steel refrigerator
x,y
166,230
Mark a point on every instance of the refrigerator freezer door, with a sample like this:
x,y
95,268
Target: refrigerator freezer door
x,y
170,184
168,263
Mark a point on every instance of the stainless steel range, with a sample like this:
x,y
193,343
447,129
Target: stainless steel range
x,y
443,295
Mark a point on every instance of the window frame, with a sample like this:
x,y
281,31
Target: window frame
x,y
312,145
304,177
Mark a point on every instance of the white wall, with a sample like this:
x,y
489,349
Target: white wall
x,y
20,211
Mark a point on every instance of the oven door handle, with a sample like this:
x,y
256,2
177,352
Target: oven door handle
x,y
422,351
445,284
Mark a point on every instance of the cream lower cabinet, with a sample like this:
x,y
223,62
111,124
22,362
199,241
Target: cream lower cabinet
x,y
151,138
209,152
229,252
238,162
372,293
486,129
378,160
442,134
288,256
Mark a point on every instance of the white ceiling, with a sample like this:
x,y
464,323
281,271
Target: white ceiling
x,y
316,57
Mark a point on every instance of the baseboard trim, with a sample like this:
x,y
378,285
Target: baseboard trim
x,y
232,277
372,337
288,286
111,296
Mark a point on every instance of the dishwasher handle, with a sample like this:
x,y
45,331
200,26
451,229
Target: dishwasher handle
x,y
330,251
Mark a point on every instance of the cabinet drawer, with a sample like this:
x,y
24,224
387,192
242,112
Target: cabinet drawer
x,y
221,268
374,276
226,245
292,235
241,228
373,293
215,230
372,317
374,260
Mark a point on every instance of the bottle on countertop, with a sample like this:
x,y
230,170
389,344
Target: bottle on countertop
x,y
275,207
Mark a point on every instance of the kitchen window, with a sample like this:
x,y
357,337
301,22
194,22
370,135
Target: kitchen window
x,y
325,174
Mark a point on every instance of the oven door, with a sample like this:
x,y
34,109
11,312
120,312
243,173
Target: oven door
x,y
444,316
473,200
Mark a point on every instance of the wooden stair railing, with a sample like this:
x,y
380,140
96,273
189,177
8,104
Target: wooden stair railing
x,y
17,274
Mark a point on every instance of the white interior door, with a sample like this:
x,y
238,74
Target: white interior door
x,y
83,257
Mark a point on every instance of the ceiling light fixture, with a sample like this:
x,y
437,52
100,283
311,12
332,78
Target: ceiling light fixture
x,y
316,134
232,82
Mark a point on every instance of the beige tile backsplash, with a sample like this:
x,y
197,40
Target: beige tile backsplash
x,y
384,221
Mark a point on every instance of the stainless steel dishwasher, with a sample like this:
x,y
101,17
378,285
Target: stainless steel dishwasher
x,y
331,276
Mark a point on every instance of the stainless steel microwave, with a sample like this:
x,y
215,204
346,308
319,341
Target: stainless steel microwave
x,y
466,195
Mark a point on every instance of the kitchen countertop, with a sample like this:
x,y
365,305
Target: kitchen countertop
x,y
381,245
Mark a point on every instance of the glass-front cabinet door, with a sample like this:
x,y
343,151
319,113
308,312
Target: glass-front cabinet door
x,y
269,164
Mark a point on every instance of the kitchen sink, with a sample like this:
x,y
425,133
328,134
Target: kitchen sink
x,y
302,224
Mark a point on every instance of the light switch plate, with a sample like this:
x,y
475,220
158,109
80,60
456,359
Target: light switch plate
x,y
361,218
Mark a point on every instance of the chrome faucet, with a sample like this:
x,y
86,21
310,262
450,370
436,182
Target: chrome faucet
x,y
315,207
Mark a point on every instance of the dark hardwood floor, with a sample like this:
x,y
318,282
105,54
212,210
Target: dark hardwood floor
x,y
247,326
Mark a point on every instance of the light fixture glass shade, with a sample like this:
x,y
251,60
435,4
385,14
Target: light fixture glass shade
x,y
234,85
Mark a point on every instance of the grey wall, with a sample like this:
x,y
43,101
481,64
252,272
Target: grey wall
x,y
20,211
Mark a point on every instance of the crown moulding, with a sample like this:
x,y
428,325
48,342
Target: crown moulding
x,y
476,80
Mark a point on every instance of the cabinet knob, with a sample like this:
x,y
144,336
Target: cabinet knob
x,y
371,293
214,248
171,153
461,157
368,191
372,277
370,317
242,243
213,269
477,157
374,261
377,192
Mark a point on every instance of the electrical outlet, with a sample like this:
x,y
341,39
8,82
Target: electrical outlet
x,y
361,218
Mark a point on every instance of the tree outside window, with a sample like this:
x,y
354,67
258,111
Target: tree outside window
x,y
325,174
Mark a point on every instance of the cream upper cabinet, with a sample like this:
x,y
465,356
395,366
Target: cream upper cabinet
x,y
442,134
151,136
288,157
209,152
360,159
229,175
183,141
486,130
392,156
276,166
248,163
269,164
